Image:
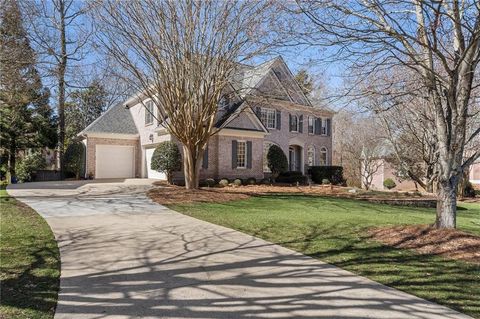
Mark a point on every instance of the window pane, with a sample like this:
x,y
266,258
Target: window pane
x,y
148,112
241,154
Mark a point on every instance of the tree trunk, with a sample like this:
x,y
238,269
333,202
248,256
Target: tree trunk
x,y
191,166
12,160
446,205
61,90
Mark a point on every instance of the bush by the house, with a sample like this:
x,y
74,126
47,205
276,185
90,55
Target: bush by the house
x,y
75,159
325,181
277,161
292,178
210,182
237,182
250,181
266,181
223,182
333,173
167,159
389,183
28,165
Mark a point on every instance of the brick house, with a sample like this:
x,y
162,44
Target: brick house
x,y
263,106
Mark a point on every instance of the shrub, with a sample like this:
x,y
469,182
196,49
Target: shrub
x,y
389,183
277,161
237,182
28,165
75,159
325,181
468,190
292,178
210,182
266,181
333,173
3,184
251,181
223,182
167,159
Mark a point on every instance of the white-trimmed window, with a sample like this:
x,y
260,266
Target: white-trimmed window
x,y
149,113
311,125
241,154
311,155
268,117
323,156
266,147
324,127
293,123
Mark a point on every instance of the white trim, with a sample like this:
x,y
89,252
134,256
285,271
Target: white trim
x,y
245,155
113,136
240,133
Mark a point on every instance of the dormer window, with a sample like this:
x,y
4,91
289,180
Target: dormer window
x,y
224,102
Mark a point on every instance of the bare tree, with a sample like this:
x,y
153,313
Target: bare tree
x,y
61,39
181,55
438,40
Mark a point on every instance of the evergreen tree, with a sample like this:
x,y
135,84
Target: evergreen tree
x,y
304,81
84,108
24,112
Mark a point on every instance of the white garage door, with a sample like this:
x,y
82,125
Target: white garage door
x,y
115,161
150,172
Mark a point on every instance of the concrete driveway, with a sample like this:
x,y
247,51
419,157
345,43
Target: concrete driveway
x,y
124,256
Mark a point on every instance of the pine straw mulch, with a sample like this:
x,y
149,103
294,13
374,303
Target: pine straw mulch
x,y
426,239
171,194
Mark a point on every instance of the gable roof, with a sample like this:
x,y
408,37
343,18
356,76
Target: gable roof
x,y
116,120
234,111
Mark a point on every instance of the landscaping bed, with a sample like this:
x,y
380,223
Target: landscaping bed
x,y
171,194
425,239
30,263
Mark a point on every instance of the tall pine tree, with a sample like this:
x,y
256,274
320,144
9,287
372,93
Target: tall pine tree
x,y
25,117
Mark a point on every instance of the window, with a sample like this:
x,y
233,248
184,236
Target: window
x,y
149,113
311,155
293,123
311,125
323,156
324,127
224,102
267,116
266,147
241,154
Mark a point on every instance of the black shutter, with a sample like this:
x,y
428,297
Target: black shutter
x,y
249,154
300,123
205,159
279,120
290,122
318,126
234,154
329,127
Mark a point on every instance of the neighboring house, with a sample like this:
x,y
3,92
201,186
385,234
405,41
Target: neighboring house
x,y
474,174
263,106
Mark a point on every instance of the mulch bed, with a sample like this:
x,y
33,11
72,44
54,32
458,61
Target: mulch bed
x,y
171,194
425,239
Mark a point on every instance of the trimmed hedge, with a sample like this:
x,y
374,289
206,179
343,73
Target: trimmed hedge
x,y
333,173
292,178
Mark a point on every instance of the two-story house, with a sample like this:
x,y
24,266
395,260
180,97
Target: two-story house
x,y
263,105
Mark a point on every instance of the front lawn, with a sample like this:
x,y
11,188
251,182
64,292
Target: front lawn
x,y
30,263
336,231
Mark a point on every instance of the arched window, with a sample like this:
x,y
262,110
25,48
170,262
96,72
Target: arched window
x,y
323,156
311,155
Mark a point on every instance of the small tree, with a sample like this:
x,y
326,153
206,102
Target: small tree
x,y
277,161
30,164
167,159
389,183
75,158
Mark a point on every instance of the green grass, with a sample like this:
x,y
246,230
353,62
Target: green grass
x,y
334,230
29,263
